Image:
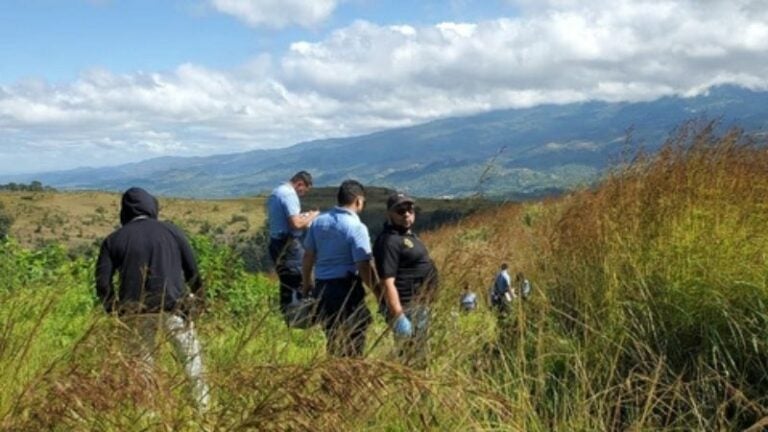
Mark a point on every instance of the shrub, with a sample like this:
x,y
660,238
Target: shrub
x,y
5,223
226,281
254,251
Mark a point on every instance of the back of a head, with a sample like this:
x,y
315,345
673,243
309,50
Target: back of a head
x,y
137,202
504,266
302,176
348,191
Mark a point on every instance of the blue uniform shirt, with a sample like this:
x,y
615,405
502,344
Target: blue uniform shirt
x,y
282,204
502,283
339,240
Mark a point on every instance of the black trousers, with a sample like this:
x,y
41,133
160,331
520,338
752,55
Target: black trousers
x,y
287,254
344,315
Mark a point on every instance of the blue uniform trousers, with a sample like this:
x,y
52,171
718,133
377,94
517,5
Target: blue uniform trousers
x,y
344,315
287,253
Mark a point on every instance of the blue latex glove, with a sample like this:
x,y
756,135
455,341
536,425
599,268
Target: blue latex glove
x,y
402,327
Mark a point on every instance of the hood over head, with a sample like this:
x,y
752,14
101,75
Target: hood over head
x,y
137,202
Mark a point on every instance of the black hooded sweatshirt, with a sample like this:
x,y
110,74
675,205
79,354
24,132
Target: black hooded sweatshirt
x,y
153,260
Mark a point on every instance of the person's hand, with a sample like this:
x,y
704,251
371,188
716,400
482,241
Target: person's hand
x,y
193,306
402,327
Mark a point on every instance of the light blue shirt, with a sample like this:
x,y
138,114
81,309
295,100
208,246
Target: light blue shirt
x,y
282,203
339,240
469,299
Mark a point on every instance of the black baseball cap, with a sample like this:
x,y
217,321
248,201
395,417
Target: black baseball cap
x,y
398,198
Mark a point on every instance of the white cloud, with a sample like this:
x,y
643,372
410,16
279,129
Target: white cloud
x,y
365,77
277,13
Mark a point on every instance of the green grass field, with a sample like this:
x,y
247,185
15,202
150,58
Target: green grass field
x,y
648,313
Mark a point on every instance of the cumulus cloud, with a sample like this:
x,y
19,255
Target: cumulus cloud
x,y
277,13
628,51
365,77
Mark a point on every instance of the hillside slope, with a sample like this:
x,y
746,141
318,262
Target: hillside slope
x,y
649,291
78,219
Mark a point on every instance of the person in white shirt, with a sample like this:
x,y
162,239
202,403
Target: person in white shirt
x,y
468,300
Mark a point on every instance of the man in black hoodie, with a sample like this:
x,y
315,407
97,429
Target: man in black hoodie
x,y
153,260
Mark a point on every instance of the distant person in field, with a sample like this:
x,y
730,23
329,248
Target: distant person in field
x,y
287,225
338,251
155,263
523,286
408,279
468,300
501,291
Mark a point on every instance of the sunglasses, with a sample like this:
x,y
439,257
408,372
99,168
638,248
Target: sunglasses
x,y
402,211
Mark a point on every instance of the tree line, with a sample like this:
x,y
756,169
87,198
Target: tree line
x,y
33,186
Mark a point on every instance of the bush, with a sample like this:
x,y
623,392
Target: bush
x,y
5,223
226,281
254,251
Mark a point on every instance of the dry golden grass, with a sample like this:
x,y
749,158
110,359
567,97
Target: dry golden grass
x,y
648,309
78,219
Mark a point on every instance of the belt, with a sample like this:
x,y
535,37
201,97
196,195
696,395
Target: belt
x,y
341,279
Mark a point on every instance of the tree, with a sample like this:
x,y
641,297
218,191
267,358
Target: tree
x,y
35,186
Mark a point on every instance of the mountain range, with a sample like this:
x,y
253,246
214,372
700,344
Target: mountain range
x,y
511,153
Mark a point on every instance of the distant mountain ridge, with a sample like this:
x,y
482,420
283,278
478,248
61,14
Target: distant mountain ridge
x,y
507,153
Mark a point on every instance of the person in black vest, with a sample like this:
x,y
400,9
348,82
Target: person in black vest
x,y
153,260
408,279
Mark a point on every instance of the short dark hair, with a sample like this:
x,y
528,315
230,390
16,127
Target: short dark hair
x,y
348,191
504,266
303,176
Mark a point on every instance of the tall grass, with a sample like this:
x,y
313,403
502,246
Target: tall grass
x,y
647,313
667,257
66,366
650,290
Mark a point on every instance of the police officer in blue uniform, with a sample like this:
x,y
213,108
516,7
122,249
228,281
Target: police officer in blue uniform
x,y
286,227
502,293
338,250
408,279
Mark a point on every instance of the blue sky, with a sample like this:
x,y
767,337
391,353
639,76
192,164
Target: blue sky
x,y
58,39
103,82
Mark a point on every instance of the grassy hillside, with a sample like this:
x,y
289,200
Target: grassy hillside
x,y
648,312
650,292
78,219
